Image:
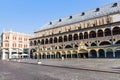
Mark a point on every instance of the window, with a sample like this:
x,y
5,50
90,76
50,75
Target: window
x,y
97,9
60,20
70,17
82,14
50,23
115,5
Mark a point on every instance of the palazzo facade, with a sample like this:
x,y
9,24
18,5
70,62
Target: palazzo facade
x,y
91,34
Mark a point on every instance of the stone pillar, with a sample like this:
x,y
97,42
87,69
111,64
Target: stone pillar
x,y
98,54
114,54
3,55
10,53
105,54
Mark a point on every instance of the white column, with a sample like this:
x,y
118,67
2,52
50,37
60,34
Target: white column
x,y
3,55
10,53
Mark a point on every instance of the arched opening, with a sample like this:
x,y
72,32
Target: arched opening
x,y
81,36
64,55
55,39
35,42
35,56
85,35
48,55
93,44
101,53
104,43
118,42
117,53
46,41
75,36
68,46
70,38
107,32
38,41
65,38
58,55
109,53
44,56
83,53
40,56
53,55
116,31
93,54
31,53
69,54
92,34
74,54
60,39
51,40
76,46
42,42
100,33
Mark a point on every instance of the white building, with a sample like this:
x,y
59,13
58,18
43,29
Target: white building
x,y
14,45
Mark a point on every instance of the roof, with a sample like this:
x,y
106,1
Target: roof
x,y
98,12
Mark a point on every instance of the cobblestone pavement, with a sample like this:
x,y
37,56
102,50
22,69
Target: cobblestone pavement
x,y
20,71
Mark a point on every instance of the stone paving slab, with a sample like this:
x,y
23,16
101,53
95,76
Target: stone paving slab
x,y
112,65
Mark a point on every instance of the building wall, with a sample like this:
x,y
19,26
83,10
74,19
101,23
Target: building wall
x,y
14,44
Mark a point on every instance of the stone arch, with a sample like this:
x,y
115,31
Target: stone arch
x,y
60,39
85,35
42,41
46,41
104,43
68,46
75,36
82,53
38,41
65,38
116,30
117,42
58,55
51,40
100,33
35,42
93,44
101,53
69,54
80,36
109,53
44,56
70,37
32,52
55,40
92,34
93,53
107,32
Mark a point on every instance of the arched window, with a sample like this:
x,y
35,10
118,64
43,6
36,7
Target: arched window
x,y
107,32
105,43
85,35
70,38
51,40
46,41
42,42
35,42
100,33
116,30
60,39
93,44
68,46
55,39
81,36
92,34
75,36
65,38
38,41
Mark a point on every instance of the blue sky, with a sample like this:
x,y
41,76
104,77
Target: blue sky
x,y
26,16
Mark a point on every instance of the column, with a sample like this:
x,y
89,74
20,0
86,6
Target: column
x,y
114,54
3,55
10,53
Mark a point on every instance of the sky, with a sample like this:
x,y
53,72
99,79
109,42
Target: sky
x,y
27,16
